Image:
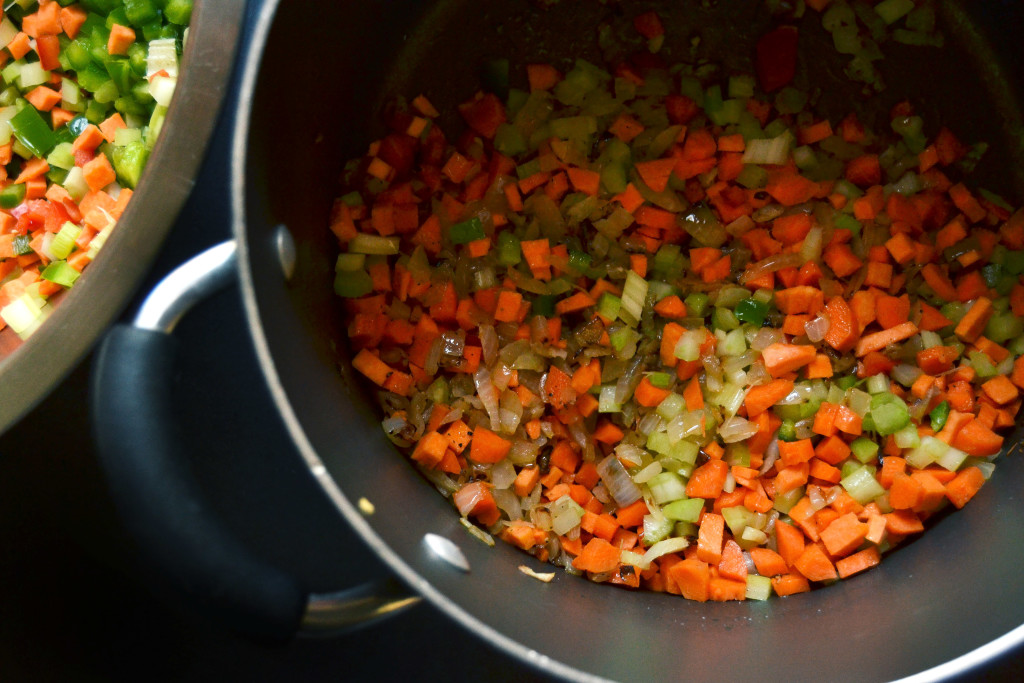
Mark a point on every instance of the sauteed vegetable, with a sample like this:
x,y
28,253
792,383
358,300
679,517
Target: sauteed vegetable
x,y
84,89
684,335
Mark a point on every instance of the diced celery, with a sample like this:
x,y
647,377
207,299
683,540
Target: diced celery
x,y
735,344
878,384
666,487
659,443
59,272
565,515
889,416
892,10
688,346
365,243
784,502
656,528
730,398
907,437
696,303
64,240
606,400
737,518
758,587
634,292
951,459
684,510
862,485
672,405
685,452
864,449
930,450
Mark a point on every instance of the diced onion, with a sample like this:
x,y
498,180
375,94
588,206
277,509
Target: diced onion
x,y
620,485
736,429
817,329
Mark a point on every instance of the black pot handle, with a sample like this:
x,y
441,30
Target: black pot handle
x,y
140,450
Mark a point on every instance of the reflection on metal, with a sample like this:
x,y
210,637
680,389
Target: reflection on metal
x,y
285,245
328,613
447,551
187,285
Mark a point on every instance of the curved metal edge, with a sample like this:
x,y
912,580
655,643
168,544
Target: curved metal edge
x,y
187,285
38,364
251,65
328,614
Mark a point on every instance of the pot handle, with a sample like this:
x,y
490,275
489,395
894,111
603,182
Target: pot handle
x,y
160,502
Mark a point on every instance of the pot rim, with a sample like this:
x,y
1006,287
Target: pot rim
x,y
29,369
251,64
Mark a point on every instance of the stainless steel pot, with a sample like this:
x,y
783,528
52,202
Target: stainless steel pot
x,y
30,369
932,610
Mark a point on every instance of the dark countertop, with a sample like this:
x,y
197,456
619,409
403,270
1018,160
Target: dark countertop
x,y
76,603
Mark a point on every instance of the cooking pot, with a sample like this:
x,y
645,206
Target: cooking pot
x,y
933,609
29,369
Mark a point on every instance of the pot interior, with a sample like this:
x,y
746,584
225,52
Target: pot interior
x,y
937,598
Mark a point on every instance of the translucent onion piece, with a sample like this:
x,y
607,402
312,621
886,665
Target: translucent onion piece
x,y
508,501
664,547
488,395
765,337
525,452
810,250
433,358
633,455
629,380
817,500
906,374
804,429
800,393
453,344
644,475
772,264
771,454
736,429
817,329
488,344
620,485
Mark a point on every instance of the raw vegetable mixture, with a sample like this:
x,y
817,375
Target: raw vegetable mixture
x,y
84,89
685,335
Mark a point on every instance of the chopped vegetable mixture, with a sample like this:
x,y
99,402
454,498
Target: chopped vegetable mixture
x,y
684,336
84,90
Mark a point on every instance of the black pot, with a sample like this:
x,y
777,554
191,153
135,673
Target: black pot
x,y
933,609
30,369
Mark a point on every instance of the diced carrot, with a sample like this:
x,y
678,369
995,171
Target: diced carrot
x,y
964,486
814,564
973,323
780,359
858,562
598,556
120,38
762,397
488,447
710,538
879,340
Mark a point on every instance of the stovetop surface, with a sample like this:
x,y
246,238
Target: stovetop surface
x,y
76,604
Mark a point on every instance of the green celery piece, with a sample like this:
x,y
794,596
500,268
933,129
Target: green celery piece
x,y
178,11
864,449
685,510
696,303
33,132
509,253
352,284
60,273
